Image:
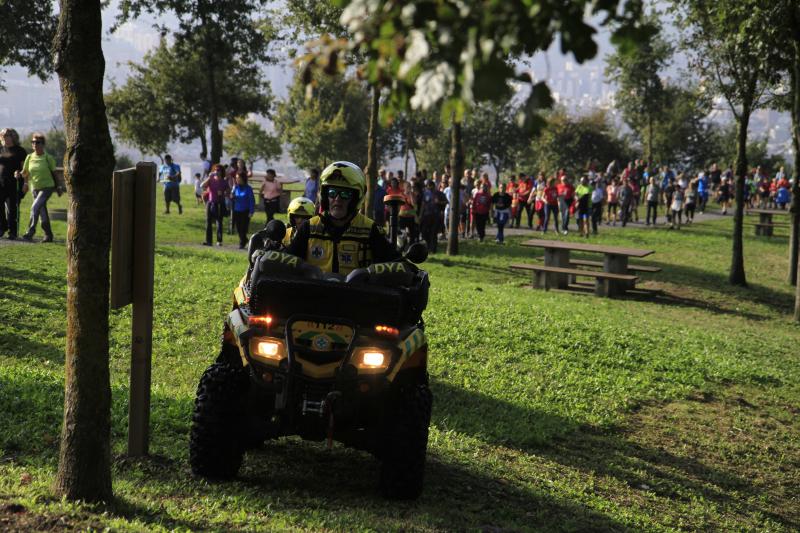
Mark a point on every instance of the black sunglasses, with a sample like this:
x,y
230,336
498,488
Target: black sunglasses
x,y
37,141
344,194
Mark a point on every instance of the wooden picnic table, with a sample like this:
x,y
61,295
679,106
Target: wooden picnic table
x,y
765,224
615,260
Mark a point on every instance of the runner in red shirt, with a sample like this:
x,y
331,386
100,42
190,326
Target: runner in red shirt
x,y
550,204
524,190
511,190
481,205
566,195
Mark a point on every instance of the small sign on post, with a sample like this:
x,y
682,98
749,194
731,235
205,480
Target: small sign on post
x,y
133,224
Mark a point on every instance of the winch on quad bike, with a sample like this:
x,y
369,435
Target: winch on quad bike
x,y
322,356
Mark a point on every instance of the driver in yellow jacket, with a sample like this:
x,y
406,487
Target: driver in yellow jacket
x,y
340,239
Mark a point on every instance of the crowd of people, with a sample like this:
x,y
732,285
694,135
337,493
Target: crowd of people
x,y
225,192
22,172
617,195
544,203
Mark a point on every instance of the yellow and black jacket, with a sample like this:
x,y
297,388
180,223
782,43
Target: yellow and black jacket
x,y
341,249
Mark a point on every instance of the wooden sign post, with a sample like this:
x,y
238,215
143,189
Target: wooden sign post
x,y
133,224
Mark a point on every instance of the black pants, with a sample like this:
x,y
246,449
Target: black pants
x,y
626,212
597,215
214,216
8,209
429,227
480,224
690,211
241,221
527,207
652,207
411,225
271,207
667,204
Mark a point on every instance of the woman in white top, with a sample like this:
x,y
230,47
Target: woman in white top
x,y
677,207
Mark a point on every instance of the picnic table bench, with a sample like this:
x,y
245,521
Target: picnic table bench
x,y
765,223
603,280
613,280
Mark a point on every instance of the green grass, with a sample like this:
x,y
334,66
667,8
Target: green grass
x,y
552,410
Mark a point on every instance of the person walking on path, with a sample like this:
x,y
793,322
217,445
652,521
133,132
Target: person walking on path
x,y
501,201
170,175
217,187
481,205
270,194
429,216
652,197
312,186
612,195
702,191
724,193
583,195
524,191
598,195
244,205
198,190
677,207
626,201
669,191
37,170
691,200
566,195
206,166
12,157
550,205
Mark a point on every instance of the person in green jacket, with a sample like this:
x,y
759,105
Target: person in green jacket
x,y
37,171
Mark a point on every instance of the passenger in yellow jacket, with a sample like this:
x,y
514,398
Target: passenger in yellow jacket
x,y
340,239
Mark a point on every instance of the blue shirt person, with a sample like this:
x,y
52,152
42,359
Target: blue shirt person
x,y
243,203
312,186
170,175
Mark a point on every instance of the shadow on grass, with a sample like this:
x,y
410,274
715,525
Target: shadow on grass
x,y
782,302
674,300
594,451
456,496
289,476
14,345
57,282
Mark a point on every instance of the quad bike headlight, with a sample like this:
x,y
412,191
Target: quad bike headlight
x,y
371,359
267,349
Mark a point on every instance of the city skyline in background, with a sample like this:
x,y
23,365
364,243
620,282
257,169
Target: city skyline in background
x,y
29,104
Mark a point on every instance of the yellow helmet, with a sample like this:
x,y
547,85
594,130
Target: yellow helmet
x,y
343,174
302,207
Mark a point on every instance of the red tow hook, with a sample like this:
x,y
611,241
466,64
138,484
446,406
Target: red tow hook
x,y
329,400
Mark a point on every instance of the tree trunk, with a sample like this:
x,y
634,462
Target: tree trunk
x,y
408,145
213,99
216,133
372,151
457,167
649,157
737,276
794,239
203,143
84,466
795,256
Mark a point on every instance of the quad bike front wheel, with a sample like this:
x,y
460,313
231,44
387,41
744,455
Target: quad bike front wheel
x,y
405,443
216,446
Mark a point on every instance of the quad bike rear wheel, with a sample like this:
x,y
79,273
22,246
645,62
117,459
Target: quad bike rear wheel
x,y
216,444
406,443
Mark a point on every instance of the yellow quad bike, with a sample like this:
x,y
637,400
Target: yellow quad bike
x,y
324,357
